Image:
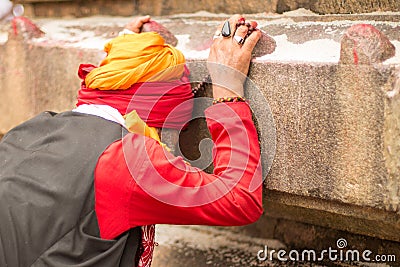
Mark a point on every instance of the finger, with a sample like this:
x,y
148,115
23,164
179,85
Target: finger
x,y
144,19
140,21
136,24
240,34
252,40
253,24
242,31
233,21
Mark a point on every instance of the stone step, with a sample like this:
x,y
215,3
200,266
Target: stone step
x,y
200,246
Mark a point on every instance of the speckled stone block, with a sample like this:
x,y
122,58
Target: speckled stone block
x,y
329,128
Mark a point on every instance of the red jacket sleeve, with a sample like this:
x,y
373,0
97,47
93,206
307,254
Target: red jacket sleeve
x,y
137,182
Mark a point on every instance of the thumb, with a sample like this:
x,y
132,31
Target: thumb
x,y
144,19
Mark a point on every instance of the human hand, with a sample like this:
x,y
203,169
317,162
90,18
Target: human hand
x,y
136,24
229,60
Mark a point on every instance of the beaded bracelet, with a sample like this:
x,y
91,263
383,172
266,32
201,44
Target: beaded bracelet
x,y
229,99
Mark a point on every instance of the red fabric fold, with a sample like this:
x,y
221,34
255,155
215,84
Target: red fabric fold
x,y
159,104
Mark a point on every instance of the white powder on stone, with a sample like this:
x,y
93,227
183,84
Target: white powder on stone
x,y
63,33
396,58
3,37
288,22
72,33
5,8
202,13
183,40
321,50
91,43
300,12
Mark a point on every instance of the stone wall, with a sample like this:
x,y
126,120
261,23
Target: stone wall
x,y
75,8
338,7
274,6
46,8
335,171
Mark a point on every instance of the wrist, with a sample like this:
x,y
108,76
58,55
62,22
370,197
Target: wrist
x,y
221,92
229,99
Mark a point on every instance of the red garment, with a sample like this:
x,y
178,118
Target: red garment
x,y
138,183
159,104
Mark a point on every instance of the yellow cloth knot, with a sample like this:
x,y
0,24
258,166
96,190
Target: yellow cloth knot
x,y
136,125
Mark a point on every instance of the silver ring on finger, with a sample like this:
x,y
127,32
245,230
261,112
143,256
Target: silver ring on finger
x,y
238,39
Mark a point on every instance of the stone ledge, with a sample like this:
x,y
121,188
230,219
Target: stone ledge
x,y
355,219
199,246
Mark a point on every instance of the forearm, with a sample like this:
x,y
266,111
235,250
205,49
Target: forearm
x,y
229,196
138,183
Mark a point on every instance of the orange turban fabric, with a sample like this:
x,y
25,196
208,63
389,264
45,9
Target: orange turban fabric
x,y
135,58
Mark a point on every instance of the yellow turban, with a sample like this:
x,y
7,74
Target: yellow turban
x,y
135,58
